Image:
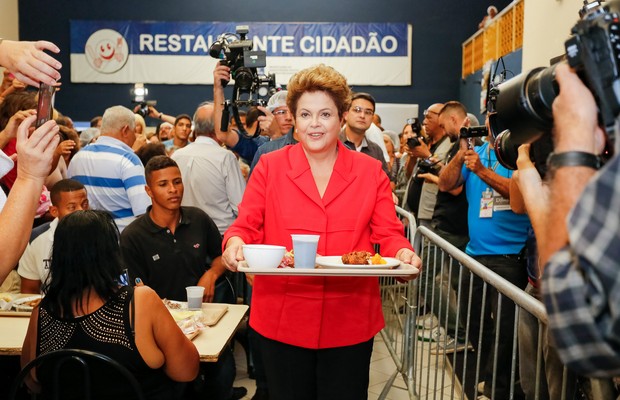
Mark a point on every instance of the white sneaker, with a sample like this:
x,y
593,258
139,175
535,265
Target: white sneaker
x,y
433,335
427,321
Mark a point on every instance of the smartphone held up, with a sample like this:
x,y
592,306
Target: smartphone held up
x,y
45,104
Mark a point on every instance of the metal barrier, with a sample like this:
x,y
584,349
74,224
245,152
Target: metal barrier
x,y
432,362
399,314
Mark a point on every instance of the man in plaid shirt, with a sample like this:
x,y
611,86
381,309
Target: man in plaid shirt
x,y
578,232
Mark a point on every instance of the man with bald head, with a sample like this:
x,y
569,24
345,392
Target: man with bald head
x,y
423,198
422,191
212,177
111,172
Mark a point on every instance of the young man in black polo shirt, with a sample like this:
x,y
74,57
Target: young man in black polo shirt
x,y
171,247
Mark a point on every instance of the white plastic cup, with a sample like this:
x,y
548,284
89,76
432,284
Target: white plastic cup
x,y
194,297
304,248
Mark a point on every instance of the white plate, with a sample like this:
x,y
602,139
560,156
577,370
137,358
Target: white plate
x,y
402,270
20,305
336,262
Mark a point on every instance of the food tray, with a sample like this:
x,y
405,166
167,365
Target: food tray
x,y
403,270
211,313
16,306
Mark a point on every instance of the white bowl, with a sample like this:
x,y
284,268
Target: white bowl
x,y
263,255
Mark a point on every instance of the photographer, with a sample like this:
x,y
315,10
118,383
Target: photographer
x,y
246,148
430,154
580,273
496,239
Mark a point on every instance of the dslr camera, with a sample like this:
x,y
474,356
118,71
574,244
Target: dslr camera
x,y
427,166
235,51
520,108
143,111
416,127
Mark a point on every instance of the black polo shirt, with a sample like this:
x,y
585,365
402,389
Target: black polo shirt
x,y
169,262
450,213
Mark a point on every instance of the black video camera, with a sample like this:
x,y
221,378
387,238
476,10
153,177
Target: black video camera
x,y
235,51
520,109
474,132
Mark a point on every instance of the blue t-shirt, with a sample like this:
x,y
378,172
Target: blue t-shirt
x,y
504,232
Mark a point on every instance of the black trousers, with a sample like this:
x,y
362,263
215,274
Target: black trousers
x,y
339,373
511,268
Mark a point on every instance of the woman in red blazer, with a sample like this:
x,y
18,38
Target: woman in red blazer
x,y
316,333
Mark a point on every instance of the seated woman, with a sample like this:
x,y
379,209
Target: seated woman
x,y
85,308
316,333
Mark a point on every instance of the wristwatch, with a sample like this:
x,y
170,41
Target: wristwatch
x,y
573,159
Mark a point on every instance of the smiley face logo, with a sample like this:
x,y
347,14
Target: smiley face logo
x,y
106,51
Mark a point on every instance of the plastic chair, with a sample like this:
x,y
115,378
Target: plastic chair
x,y
79,374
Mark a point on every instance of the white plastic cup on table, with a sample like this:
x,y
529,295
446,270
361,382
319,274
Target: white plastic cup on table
x,y
194,297
304,248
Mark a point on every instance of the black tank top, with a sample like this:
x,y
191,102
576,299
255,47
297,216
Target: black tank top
x,y
107,331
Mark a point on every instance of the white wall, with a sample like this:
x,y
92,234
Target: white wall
x,y
547,26
9,20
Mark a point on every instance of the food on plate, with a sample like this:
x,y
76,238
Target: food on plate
x,y
32,303
6,297
362,258
377,259
356,257
288,261
172,305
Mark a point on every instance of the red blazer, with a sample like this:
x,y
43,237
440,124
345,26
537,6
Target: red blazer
x,y
356,211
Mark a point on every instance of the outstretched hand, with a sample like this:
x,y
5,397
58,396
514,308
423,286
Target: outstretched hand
x,y
35,153
29,62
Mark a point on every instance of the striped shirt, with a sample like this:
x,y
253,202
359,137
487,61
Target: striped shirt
x,y
581,282
114,179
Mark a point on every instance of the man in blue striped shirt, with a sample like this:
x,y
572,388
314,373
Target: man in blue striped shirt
x,y
111,172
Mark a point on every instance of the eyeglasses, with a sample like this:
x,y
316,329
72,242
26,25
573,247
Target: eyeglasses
x,y
427,111
358,110
281,112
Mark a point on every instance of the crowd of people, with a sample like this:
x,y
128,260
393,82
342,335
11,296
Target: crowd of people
x,y
175,206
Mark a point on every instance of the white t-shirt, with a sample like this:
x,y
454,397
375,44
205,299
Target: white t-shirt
x,y
34,263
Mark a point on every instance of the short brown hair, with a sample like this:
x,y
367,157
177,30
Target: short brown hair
x,y
453,106
319,78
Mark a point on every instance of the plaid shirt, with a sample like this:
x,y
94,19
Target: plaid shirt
x,y
581,284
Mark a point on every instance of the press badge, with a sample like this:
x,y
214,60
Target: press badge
x,y
486,204
500,203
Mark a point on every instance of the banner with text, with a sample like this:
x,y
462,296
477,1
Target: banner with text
x,y
178,52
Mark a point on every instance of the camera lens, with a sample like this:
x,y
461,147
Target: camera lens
x,y
244,78
413,142
506,150
523,105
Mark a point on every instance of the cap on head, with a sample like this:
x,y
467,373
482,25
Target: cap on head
x,y
88,135
277,100
473,120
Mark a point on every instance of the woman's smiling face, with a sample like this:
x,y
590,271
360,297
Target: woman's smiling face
x,y
317,122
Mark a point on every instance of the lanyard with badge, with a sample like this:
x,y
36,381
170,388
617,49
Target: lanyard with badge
x,y
491,200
